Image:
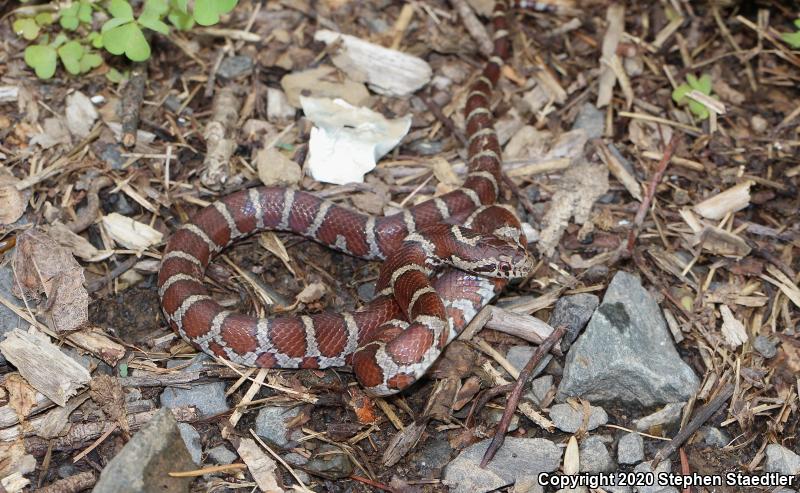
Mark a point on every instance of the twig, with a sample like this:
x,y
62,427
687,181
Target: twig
x,y
513,399
132,98
651,191
87,216
444,120
120,269
703,414
73,484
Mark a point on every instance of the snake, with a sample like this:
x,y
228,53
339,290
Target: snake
x,y
442,261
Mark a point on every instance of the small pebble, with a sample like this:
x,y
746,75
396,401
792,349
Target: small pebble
x,y
765,347
630,449
758,123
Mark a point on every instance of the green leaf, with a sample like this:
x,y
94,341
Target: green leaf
x,y
180,19
181,5
699,109
43,60
792,39
60,40
71,54
90,61
116,76
114,23
120,9
127,39
704,84
155,8
69,17
44,18
797,23
207,12
680,92
96,39
85,12
154,24
26,27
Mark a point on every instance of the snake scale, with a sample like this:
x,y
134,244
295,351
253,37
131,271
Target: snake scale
x,y
419,307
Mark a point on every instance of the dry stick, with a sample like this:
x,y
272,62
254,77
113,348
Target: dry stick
x,y
87,216
73,484
651,191
516,394
120,269
132,98
703,414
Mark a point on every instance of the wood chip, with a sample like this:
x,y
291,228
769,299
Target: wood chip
x,y
386,71
130,233
43,365
731,200
261,466
615,16
732,329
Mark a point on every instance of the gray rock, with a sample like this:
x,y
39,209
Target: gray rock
x,y
142,465
539,389
221,455
714,437
668,415
366,291
192,440
630,449
297,460
234,67
574,312
112,155
626,353
590,119
765,346
617,489
518,460
208,398
519,356
781,459
271,424
433,455
663,467
570,420
594,456
8,319
493,416
331,462
66,471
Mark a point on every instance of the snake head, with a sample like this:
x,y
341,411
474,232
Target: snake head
x,y
497,257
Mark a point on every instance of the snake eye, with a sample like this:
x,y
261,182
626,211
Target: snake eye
x,y
504,267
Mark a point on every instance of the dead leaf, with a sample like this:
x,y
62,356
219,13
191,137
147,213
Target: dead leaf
x,y
12,202
107,393
55,132
80,113
42,266
21,396
572,457
312,293
276,169
130,233
732,329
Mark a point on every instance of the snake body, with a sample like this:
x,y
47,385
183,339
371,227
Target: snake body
x,y
392,340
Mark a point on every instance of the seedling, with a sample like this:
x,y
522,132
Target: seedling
x,y
703,85
793,39
123,33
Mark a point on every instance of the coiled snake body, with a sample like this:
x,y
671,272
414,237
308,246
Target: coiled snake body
x,y
391,341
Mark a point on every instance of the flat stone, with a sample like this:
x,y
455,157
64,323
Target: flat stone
x,y
668,415
570,420
143,464
432,456
626,354
781,459
518,460
715,437
664,466
331,462
192,440
222,455
630,449
765,346
539,389
519,356
234,67
574,312
208,398
8,319
594,456
271,424
591,120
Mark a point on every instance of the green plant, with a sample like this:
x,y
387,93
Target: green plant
x,y
793,38
703,85
123,33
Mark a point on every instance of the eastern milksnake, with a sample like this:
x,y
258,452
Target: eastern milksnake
x,y
391,341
